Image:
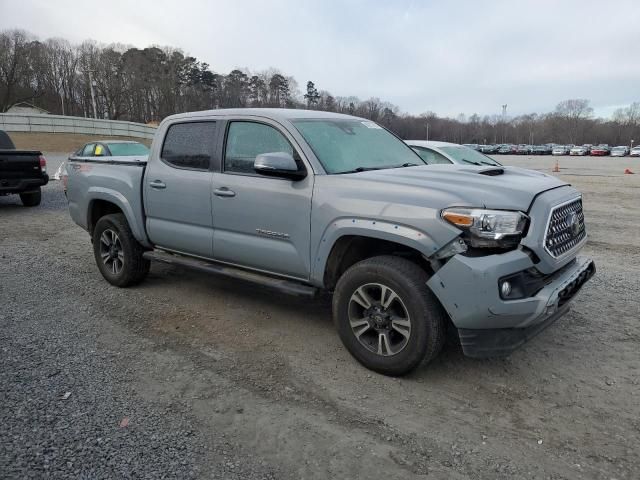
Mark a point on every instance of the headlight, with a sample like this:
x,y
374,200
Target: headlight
x,y
487,228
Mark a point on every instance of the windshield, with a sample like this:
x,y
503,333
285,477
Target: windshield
x,y
619,149
430,156
127,149
467,155
344,146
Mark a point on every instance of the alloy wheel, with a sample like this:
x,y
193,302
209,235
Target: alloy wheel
x,y
379,319
111,251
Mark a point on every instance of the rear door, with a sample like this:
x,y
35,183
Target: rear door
x,y
261,222
177,189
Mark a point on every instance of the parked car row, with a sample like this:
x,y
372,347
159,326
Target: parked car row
x,y
554,149
603,150
510,149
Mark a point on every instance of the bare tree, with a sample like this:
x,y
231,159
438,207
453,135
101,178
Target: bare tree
x,y
573,112
148,84
16,75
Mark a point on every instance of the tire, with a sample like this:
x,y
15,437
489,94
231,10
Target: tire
x,y
31,199
394,354
130,266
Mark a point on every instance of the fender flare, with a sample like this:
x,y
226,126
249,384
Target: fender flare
x,y
136,222
364,227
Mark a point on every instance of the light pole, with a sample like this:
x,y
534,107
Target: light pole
x,y
631,144
93,95
427,131
504,119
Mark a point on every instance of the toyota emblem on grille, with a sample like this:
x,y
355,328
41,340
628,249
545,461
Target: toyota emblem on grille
x,y
573,222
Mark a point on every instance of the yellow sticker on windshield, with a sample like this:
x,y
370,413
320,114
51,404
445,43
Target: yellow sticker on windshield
x,y
98,149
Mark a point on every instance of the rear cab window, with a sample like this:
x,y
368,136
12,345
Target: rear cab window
x,y
189,145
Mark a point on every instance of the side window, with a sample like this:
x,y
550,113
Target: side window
x,y
189,145
246,140
87,151
431,156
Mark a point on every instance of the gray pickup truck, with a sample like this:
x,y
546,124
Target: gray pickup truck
x,y
308,201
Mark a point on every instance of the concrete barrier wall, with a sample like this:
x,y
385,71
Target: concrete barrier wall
x,y
22,122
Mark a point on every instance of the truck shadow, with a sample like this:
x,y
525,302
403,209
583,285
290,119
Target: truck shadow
x,y
263,311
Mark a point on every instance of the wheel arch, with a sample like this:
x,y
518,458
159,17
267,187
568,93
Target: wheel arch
x,y
104,202
348,241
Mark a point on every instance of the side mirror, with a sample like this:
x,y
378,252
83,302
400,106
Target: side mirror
x,y
278,164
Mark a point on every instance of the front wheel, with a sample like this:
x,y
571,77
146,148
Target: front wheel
x,y
386,315
31,199
118,254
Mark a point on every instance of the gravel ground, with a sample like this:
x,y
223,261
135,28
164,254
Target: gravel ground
x,y
190,376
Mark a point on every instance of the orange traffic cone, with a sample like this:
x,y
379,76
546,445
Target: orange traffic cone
x,y
556,168
628,171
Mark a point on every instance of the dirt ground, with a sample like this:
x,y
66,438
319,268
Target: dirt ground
x,y
62,142
263,380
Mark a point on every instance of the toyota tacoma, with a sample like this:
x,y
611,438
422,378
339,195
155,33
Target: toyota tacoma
x,y
308,202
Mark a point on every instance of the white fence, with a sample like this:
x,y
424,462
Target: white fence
x,y
23,122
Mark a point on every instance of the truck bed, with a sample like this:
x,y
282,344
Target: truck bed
x,y
117,180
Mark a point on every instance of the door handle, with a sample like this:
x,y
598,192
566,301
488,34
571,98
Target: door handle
x,y
224,192
157,184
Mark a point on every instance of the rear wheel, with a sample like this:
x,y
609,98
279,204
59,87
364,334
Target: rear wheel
x,y
118,254
31,199
386,315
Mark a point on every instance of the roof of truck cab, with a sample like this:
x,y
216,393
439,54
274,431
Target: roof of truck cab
x,y
273,113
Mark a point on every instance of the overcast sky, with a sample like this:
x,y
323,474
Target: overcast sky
x,y
448,57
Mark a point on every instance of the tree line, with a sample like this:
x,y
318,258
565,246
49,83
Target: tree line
x,y
145,85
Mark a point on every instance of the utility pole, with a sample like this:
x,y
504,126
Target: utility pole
x,y
93,95
428,131
504,121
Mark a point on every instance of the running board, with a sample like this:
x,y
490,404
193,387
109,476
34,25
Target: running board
x,y
290,287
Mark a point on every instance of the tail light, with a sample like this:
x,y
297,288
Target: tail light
x,y
43,164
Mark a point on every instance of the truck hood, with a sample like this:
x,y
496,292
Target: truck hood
x,y
507,188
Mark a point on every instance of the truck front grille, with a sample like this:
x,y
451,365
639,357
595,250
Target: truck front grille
x,y
566,228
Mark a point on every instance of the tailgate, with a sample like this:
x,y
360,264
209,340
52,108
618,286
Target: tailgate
x,y
16,165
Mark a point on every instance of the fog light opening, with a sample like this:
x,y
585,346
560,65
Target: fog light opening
x,y
505,288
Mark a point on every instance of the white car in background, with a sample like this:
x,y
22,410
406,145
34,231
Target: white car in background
x,y
635,152
444,152
106,150
580,151
620,151
560,150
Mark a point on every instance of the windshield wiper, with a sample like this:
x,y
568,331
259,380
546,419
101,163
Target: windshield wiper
x,y
481,162
471,162
366,169
361,169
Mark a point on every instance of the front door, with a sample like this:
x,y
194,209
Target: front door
x,y
177,190
260,222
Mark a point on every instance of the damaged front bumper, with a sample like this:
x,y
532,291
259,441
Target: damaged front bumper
x,y
488,325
